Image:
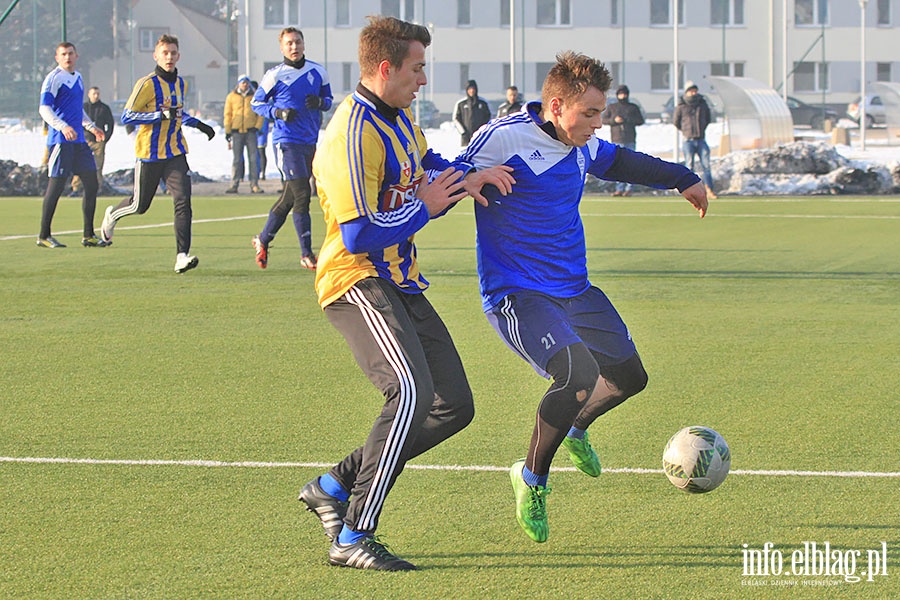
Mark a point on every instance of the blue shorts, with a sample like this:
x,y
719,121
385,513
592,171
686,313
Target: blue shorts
x,y
537,326
70,159
295,160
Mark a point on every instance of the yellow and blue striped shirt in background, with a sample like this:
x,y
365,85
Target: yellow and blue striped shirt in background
x,y
157,139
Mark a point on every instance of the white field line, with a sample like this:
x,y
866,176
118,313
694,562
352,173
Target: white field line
x,y
134,227
476,468
685,213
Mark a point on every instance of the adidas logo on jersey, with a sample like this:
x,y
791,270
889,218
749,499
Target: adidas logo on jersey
x,y
536,155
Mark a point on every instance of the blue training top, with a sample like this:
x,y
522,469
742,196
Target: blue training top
x,y
533,239
287,87
63,92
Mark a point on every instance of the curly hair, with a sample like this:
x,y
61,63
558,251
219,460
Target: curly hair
x,y
572,75
387,38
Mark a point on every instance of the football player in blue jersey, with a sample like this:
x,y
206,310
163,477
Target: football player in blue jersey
x,y
62,97
536,294
293,95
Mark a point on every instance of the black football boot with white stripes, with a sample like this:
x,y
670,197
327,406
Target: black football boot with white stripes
x,y
329,509
367,553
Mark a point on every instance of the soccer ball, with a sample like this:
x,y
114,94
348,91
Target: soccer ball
x,y
696,460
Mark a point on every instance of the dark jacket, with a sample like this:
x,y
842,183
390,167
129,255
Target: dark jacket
x,y
507,109
102,117
623,133
470,113
691,118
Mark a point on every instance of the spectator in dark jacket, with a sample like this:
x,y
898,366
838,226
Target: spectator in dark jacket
x,y
623,117
102,117
691,118
470,113
512,104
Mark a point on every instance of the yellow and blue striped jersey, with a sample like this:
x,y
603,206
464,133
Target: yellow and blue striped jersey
x,y
157,138
369,165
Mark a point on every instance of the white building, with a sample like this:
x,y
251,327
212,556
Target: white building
x,y
472,40
202,40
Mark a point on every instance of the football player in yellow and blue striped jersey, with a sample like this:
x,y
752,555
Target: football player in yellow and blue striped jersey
x,y
156,107
378,185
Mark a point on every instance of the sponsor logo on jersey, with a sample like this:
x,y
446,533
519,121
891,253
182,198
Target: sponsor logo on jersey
x,y
396,195
536,155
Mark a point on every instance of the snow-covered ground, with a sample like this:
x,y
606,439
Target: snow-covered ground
x,y
212,159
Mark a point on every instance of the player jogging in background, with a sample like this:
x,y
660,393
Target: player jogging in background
x,y
62,95
156,107
536,294
293,95
372,170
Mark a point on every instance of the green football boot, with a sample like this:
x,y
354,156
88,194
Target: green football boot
x,y
531,504
582,455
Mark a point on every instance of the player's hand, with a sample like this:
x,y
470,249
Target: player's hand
x,y
209,131
228,137
69,133
285,114
313,102
98,134
446,189
499,176
696,195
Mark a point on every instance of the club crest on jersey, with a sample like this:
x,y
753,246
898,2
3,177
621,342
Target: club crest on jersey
x,y
406,169
310,78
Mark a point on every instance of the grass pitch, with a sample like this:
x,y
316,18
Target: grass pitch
x,y
774,321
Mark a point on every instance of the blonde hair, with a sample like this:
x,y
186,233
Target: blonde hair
x,y
166,39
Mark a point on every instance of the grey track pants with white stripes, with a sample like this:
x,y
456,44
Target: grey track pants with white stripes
x,y
405,350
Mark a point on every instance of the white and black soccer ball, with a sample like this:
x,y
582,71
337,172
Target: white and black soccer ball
x,y
696,459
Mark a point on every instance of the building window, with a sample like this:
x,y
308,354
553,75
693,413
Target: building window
x,y
883,72
884,13
659,12
504,76
342,16
463,13
463,75
282,13
659,77
811,12
728,69
404,10
346,77
726,12
614,12
148,36
554,12
810,77
614,71
540,72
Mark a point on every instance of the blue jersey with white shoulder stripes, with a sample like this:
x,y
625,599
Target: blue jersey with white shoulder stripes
x,y
533,239
63,92
285,86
